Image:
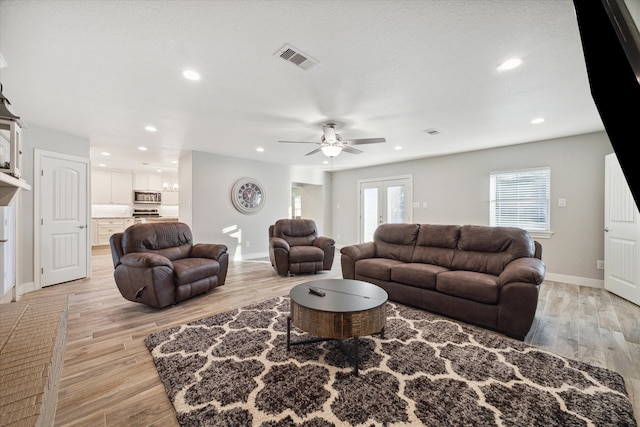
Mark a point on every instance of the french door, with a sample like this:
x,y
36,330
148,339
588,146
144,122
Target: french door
x,y
382,201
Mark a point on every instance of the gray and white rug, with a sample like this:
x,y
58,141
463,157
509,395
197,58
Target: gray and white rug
x,y
233,369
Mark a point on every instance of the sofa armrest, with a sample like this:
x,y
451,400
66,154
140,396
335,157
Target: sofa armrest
x,y
360,251
145,260
208,250
526,270
279,243
351,254
324,242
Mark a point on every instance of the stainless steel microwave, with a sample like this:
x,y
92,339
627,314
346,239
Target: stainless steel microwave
x,y
140,196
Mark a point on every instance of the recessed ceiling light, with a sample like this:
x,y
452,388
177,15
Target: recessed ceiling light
x,y
174,162
191,75
260,149
510,64
537,120
150,128
102,165
142,148
158,170
397,148
104,153
325,162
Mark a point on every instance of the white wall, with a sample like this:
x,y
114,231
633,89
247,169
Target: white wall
x,y
185,168
215,219
456,189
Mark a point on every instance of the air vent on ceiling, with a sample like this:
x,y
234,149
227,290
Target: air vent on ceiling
x,y
296,56
432,131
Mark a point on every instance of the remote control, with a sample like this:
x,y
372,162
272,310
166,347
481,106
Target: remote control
x,y
316,291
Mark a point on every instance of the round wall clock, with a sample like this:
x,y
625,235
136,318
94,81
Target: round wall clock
x,y
248,195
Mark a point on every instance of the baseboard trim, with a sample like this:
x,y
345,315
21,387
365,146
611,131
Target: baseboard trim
x,y
255,255
575,280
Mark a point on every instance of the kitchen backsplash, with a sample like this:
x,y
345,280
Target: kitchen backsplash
x,y
110,211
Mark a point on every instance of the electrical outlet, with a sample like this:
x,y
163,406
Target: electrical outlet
x,y
562,203
247,243
600,264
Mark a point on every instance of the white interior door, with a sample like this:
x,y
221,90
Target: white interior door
x,y
622,234
382,201
63,211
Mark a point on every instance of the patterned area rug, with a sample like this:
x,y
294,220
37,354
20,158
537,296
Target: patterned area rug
x,y
233,369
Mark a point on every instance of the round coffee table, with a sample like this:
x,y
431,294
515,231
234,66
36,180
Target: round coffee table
x,y
348,309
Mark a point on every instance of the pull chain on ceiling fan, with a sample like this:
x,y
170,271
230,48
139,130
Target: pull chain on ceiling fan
x,y
332,144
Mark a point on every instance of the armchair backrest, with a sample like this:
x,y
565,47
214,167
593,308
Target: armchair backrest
x,y
170,239
297,232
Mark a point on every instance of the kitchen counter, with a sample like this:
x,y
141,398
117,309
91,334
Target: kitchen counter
x,y
156,219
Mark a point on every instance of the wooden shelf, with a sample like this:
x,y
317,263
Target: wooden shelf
x,y
10,187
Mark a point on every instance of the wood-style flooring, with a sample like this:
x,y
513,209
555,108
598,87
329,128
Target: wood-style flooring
x,y
109,378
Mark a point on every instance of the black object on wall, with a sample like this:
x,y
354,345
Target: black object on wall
x,y
613,80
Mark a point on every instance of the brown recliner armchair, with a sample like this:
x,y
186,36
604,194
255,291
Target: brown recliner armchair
x,y
295,247
157,263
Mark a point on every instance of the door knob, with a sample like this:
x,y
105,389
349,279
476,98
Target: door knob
x,y
81,226
606,229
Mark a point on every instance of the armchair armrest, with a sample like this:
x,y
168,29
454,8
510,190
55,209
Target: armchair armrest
x,y
279,243
324,242
360,251
208,250
527,270
145,260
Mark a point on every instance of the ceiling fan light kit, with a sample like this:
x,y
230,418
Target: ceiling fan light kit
x,y
332,144
331,150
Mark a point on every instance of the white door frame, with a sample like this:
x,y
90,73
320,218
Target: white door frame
x,y
37,210
408,197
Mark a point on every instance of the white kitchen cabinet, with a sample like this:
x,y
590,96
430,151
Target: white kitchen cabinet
x,y
111,187
170,198
94,232
106,227
121,188
148,181
100,187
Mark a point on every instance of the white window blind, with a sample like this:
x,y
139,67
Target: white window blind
x,y
521,199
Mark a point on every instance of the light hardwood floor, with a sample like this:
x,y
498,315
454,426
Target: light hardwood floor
x,y
109,378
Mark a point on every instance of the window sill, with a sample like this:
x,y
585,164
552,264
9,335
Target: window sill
x,y
541,234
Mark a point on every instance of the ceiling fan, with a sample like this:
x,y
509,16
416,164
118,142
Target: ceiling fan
x,y
332,144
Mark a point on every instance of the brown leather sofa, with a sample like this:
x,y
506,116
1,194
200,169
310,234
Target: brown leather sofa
x,y
488,276
295,247
157,263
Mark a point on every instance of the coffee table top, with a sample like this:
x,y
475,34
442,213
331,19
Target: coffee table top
x,y
341,295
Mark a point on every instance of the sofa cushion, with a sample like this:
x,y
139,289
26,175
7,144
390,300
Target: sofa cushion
x,y
395,241
299,254
170,239
376,268
436,244
489,249
189,270
470,285
416,274
296,232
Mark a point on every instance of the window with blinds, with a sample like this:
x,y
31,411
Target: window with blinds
x,y
521,199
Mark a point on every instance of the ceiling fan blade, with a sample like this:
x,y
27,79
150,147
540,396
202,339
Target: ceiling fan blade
x,y
300,142
329,133
351,150
363,141
313,152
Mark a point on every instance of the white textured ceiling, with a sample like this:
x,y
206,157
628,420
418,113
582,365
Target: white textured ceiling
x,y
105,69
